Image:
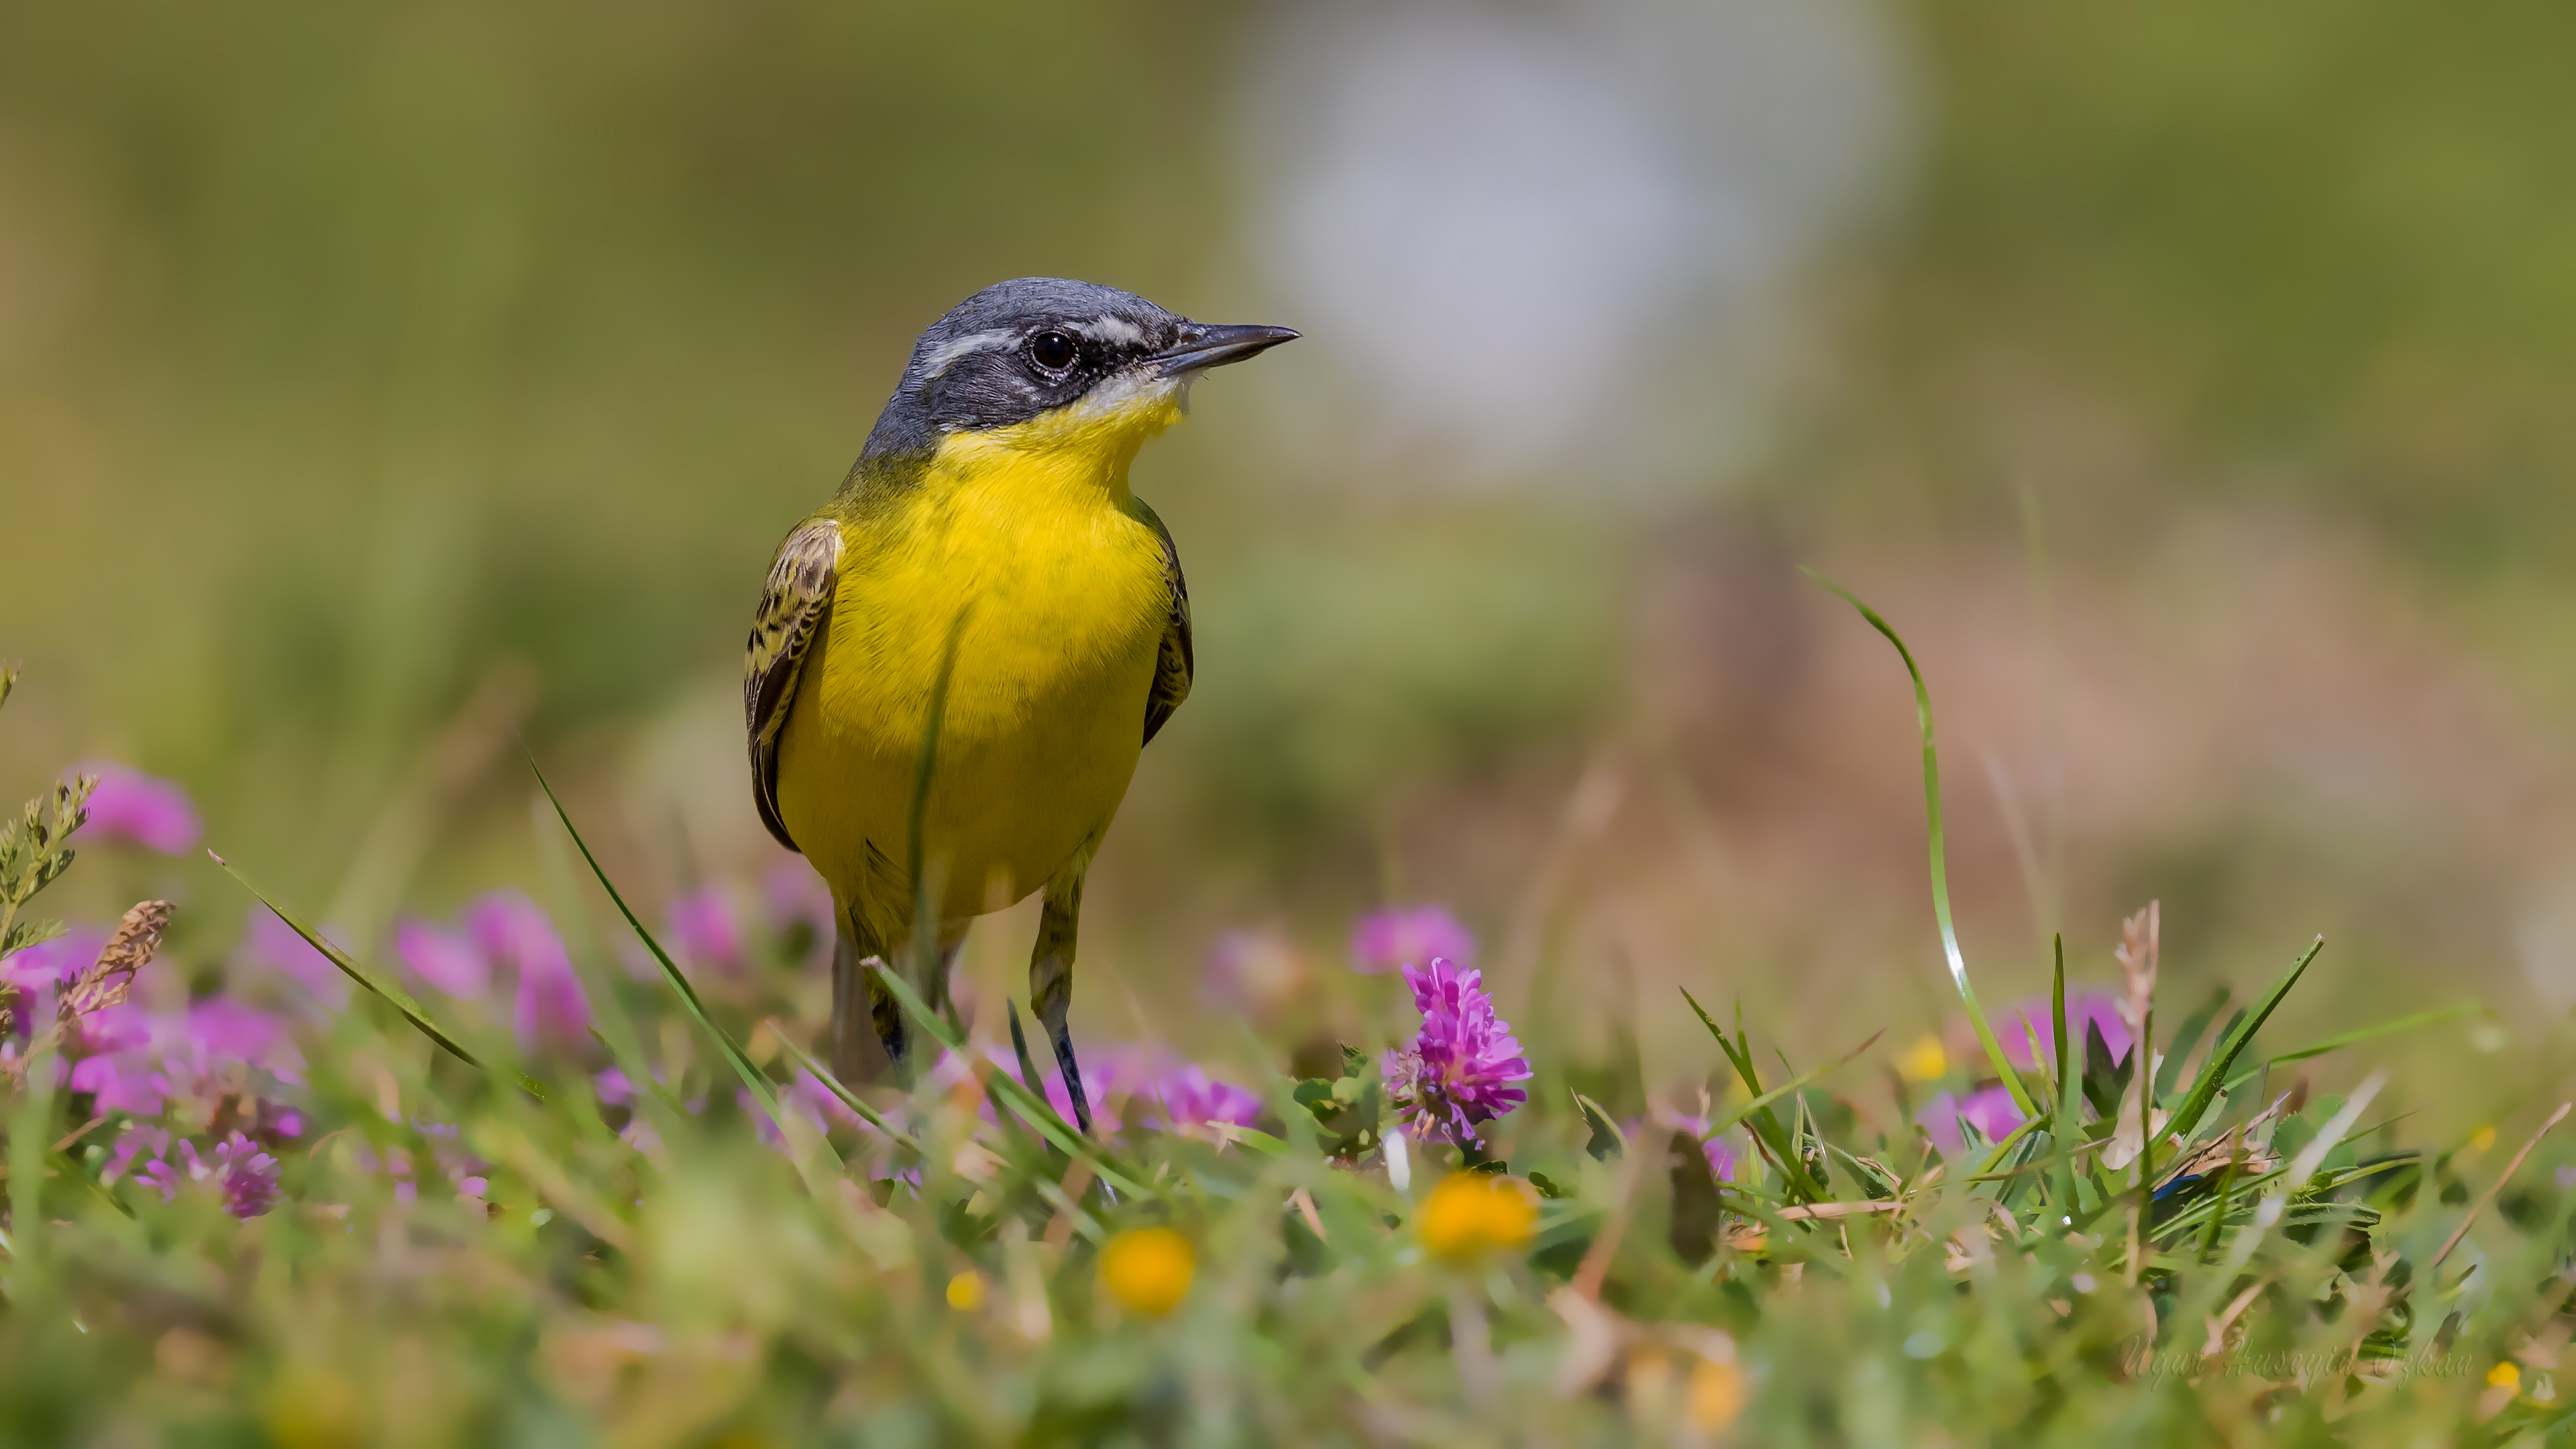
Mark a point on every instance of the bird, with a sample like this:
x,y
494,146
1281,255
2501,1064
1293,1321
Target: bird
x,y
983,609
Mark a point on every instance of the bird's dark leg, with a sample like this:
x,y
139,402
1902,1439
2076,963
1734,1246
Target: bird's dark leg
x,y
940,990
856,982
1051,979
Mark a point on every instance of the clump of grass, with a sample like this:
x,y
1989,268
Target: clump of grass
x,y
679,1228
35,850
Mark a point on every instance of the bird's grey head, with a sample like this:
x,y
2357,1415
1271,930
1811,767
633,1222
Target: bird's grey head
x,y
1023,348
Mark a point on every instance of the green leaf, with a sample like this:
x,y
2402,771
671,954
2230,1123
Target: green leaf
x,y
2104,1079
1940,867
1698,1213
29,933
2214,1071
1607,1141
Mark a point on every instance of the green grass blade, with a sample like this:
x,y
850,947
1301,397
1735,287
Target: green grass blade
x,y
2385,1028
762,1089
924,947
2214,1071
805,1061
2062,1128
1796,1084
394,996
1939,856
1031,1106
2142,1168
2057,1010
2178,1050
1764,1123
2218,1204
1995,1159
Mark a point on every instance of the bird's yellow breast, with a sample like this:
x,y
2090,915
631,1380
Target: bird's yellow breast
x,y
1024,543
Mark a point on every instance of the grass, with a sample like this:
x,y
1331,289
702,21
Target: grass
x,y
476,1239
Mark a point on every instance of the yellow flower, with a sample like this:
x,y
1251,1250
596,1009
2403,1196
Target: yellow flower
x,y
966,1291
1148,1270
1472,1212
1716,1394
2505,1376
2482,1139
1924,1061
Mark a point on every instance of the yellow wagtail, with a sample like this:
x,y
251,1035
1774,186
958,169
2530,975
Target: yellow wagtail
x,y
985,538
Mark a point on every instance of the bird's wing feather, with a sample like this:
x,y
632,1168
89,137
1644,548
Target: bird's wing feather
x,y
802,579
1174,664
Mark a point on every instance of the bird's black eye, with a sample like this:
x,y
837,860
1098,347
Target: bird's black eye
x,y
1053,351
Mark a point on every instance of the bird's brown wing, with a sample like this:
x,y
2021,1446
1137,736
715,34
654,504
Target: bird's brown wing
x,y
802,579
1173,666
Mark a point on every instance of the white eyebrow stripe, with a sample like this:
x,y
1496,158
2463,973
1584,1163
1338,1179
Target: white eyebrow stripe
x,y
1113,329
973,342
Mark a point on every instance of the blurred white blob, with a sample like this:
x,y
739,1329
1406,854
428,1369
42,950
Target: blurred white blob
x,y
1532,233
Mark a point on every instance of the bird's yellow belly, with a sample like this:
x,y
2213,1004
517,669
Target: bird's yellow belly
x,y
1063,613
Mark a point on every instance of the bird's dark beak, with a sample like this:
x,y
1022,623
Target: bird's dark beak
x,y
1204,345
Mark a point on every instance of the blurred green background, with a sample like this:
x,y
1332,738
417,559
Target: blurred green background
x,y
2188,381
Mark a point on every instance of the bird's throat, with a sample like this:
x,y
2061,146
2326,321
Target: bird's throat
x,y
1081,451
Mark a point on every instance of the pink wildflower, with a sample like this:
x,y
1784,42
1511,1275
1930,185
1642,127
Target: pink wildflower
x,y
1459,1070
1384,940
550,1006
447,961
1721,1159
138,1061
808,1098
1991,1110
51,963
272,943
151,812
216,1031
951,1070
38,970
1192,1099
707,930
2035,1020
239,1172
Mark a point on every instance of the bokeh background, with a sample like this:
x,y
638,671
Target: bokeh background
x,y
2189,382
